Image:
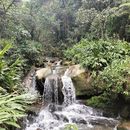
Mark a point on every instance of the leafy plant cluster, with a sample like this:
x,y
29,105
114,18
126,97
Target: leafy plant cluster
x,y
10,71
57,25
12,108
13,103
108,62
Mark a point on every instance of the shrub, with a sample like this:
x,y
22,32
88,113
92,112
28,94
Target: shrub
x,y
108,62
12,108
10,71
12,102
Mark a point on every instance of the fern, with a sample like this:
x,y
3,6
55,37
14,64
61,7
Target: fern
x,y
12,105
108,61
12,108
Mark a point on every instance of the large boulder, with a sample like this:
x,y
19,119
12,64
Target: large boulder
x,y
82,82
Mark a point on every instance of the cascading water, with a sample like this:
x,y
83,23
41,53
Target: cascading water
x,y
32,89
57,117
68,91
51,89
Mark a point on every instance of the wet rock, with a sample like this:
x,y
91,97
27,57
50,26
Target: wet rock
x,y
60,117
82,81
104,122
79,120
38,129
82,84
52,107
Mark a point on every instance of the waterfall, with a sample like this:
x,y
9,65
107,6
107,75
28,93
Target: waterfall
x,y
58,114
32,90
68,91
51,89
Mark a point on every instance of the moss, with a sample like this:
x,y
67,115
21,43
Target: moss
x,y
81,84
97,101
102,101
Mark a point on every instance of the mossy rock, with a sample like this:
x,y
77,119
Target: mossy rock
x,y
125,112
81,83
124,126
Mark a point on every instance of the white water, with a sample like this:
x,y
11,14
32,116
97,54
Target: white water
x,y
32,90
68,91
56,117
48,91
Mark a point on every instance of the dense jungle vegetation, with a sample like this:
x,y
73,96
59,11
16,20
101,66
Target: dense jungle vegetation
x,y
93,33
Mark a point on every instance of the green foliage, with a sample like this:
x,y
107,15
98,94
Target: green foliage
x,y
108,62
99,101
96,55
12,108
71,127
31,51
12,105
114,77
9,71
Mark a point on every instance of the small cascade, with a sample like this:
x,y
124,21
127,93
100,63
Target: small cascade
x,y
68,91
34,82
32,89
58,114
51,89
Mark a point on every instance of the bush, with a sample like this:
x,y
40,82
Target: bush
x,y
12,103
12,108
108,62
31,51
105,100
10,69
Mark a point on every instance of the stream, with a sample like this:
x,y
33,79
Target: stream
x,y
59,115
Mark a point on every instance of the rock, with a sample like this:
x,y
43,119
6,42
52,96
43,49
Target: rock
x,y
27,81
38,129
82,82
124,126
59,70
75,70
125,112
43,73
